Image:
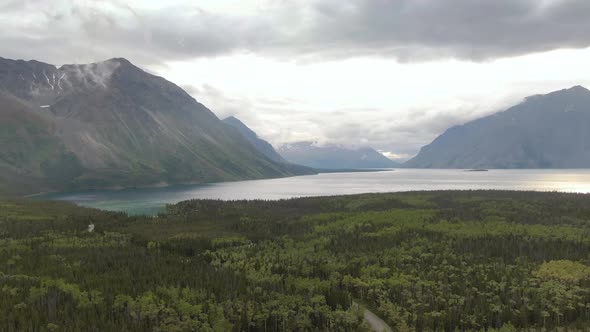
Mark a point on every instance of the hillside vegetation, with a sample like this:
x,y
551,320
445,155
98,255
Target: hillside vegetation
x,y
431,261
111,124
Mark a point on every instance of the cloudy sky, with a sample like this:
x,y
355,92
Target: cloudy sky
x,y
391,74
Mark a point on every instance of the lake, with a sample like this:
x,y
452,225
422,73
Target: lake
x,y
153,200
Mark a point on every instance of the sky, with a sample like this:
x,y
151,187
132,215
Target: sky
x,y
390,74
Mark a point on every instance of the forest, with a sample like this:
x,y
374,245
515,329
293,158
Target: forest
x,y
422,261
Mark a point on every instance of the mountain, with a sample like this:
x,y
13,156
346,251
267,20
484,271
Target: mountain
x,y
334,156
544,131
111,124
261,145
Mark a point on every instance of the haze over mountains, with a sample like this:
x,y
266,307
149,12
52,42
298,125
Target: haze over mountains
x,y
111,124
332,156
320,157
544,131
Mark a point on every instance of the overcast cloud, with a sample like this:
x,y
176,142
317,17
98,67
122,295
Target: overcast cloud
x,y
408,39
409,30
399,133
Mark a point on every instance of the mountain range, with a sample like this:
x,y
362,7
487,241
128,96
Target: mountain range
x,y
111,124
331,156
544,131
323,158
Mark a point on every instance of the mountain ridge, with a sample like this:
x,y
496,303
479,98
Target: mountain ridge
x,y
543,131
261,145
335,157
117,125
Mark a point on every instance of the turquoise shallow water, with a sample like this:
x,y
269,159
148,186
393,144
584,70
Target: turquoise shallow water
x,y
153,200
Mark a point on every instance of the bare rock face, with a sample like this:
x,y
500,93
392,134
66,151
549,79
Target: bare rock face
x,y
112,124
544,131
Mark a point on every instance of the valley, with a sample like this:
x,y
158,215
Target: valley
x,y
294,165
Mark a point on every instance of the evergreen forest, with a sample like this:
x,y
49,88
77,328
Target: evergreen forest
x,y
421,261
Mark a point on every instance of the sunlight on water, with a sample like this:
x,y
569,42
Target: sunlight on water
x,y
152,201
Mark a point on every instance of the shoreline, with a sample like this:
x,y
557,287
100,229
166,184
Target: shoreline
x,y
165,184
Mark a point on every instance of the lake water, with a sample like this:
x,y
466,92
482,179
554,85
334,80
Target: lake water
x,y
153,200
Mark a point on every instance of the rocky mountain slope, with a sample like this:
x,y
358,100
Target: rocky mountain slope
x,y
111,124
544,131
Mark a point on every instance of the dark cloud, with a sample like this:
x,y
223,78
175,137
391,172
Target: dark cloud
x,y
409,30
476,30
86,31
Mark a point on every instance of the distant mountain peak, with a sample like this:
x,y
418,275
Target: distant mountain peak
x,y
121,64
579,88
102,68
334,156
544,131
576,90
121,61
